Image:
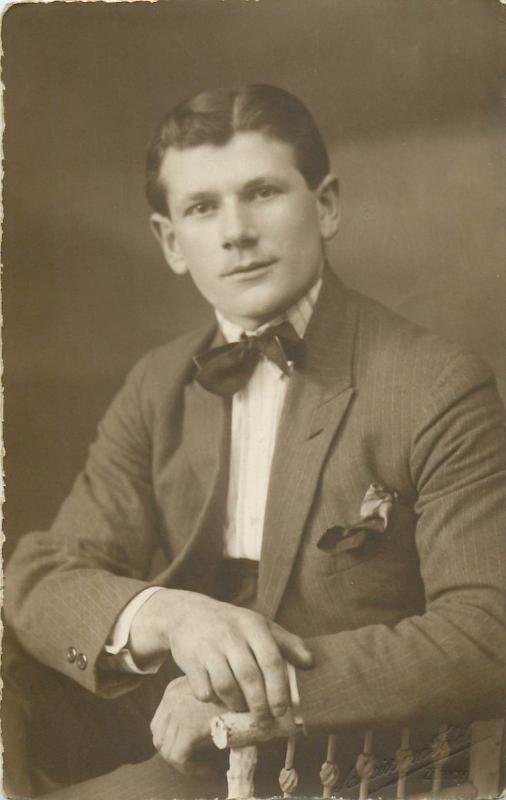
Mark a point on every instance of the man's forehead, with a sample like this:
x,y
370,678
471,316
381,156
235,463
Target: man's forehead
x,y
208,167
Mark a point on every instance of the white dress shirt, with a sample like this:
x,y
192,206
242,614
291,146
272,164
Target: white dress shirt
x,y
256,411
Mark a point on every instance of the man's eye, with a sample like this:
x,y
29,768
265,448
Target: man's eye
x,y
200,209
264,192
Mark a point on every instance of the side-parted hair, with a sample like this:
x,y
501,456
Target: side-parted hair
x,y
214,117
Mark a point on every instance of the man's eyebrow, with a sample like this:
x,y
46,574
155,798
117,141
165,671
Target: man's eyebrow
x,y
261,180
255,183
198,197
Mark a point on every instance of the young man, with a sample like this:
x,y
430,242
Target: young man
x,y
298,508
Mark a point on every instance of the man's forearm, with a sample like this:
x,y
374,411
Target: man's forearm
x,y
59,611
426,668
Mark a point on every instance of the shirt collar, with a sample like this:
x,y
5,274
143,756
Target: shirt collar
x,y
299,315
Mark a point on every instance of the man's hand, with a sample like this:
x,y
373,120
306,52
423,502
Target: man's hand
x,y
181,727
229,654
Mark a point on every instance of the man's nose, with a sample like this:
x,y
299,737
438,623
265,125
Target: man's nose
x,y
238,227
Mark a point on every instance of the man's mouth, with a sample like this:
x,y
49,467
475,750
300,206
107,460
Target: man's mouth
x,y
250,266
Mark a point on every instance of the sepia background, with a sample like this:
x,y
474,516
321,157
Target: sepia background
x,y
410,97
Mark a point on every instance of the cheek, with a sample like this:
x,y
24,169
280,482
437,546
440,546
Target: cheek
x,y
296,223
196,241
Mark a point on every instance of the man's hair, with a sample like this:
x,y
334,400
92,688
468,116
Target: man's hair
x,y
214,117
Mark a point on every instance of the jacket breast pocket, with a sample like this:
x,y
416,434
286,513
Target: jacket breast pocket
x,y
352,551
350,547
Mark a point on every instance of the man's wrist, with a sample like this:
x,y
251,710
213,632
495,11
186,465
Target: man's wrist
x,y
120,632
148,635
150,631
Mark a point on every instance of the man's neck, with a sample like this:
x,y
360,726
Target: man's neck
x,y
299,314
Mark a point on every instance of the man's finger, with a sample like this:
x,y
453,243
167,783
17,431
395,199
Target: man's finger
x,y
292,647
178,751
224,684
250,680
273,668
160,722
201,687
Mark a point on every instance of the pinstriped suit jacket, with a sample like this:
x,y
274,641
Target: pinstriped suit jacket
x,y
408,625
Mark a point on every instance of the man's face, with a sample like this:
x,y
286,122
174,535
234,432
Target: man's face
x,y
245,225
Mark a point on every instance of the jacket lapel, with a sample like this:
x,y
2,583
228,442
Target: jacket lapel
x,y
317,399
206,417
204,425
206,440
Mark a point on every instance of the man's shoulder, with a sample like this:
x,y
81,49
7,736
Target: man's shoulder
x,y
178,353
391,344
159,376
173,360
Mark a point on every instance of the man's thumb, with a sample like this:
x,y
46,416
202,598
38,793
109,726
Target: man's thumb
x,y
292,647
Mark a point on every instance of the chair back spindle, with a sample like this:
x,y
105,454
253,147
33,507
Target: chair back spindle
x,y
440,755
403,760
288,778
241,733
365,766
329,773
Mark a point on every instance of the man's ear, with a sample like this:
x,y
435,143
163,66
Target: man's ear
x,y
329,207
163,229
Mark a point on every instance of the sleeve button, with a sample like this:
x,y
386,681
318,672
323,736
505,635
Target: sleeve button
x,y
71,655
82,661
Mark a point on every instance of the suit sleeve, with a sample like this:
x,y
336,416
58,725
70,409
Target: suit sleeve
x,y
66,587
448,663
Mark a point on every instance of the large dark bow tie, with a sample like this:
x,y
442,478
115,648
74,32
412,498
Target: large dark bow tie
x,y
227,369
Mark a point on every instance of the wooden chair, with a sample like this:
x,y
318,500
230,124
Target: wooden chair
x,y
483,742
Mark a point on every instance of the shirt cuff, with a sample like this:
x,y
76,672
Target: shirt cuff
x,y
116,646
294,694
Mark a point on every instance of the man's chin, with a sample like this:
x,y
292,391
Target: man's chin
x,y
261,306
252,318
